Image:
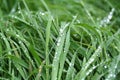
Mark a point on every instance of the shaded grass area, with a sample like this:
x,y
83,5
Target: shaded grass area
x,y
59,40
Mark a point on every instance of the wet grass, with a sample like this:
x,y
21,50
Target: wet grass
x,y
59,40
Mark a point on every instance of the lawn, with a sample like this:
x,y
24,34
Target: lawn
x,y
59,40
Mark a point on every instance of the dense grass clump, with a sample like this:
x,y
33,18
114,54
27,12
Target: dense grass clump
x,y
59,40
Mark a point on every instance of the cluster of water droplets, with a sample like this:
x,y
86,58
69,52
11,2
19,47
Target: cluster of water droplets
x,y
90,70
7,29
97,52
107,19
19,11
42,13
13,16
2,37
61,33
112,73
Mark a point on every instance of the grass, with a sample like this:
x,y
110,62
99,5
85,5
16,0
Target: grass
x,y
59,40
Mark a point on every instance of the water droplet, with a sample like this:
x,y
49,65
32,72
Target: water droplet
x,y
82,79
105,66
19,12
61,31
9,53
7,30
98,19
20,42
107,19
70,64
74,17
115,66
91,60
87,73
4,38
78,21
59,40
94,67
97,55
58,44
25,51
18,35
42,13
12,16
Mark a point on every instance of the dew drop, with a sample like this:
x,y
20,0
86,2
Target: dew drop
x,y
59,40
105,66
115,66
87,73
91,60
7,30
107,19
78,21
70,64
42,13
4,38
64,51
82,79
9,53
74,17
58,44
20,42
94,67
19,12
61,31
18,35
25,51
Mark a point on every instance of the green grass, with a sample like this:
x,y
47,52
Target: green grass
x,y
59,40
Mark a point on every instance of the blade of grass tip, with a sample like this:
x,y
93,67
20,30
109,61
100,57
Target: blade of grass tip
x,y
58,51
88,13
14,7
45,5
63,55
